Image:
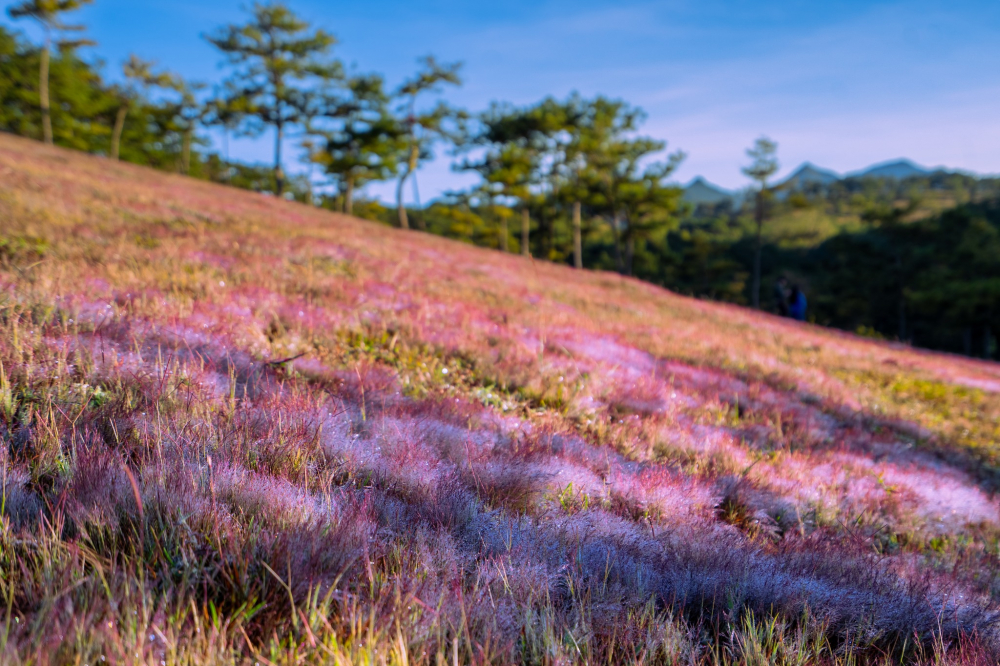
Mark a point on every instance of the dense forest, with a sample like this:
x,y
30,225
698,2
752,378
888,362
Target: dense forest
x,y
572,180
912,260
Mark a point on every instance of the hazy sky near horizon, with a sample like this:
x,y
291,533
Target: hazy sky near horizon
x,y
842,83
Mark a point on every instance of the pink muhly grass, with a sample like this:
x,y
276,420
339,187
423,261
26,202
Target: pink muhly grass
x,y
299,433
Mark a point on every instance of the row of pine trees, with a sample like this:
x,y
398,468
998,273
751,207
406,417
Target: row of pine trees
x,y
555,160
567,180
549,165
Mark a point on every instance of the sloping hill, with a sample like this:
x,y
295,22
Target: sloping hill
x,y
242,430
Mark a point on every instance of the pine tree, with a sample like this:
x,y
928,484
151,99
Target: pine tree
x,y
423,128
139,77
764,165
596,129
228,110
649,206
277,59
509,163
188,113
47,13
362,140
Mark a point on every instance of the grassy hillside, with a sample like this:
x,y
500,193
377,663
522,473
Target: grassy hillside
x,y
241,430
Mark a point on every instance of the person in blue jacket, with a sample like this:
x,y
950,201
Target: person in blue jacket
x,y
797,304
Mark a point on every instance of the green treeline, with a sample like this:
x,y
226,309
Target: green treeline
x,y
571,181
913,260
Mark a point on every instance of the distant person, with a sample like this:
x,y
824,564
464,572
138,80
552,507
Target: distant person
x,y
797,304
781,296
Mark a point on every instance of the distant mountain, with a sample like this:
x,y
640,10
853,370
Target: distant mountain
x,y
898,169
808,174
700,191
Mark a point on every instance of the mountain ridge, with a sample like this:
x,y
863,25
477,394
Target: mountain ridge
x,y
899,168
701,191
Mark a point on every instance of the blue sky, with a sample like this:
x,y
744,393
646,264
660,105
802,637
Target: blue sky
x,y
842,83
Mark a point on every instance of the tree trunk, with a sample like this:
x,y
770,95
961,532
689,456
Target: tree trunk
x,y
404,221
503,233
525,231
902,299
279,174
616,233
629,254
902,319
759,219
116,135
411,165
577,237
987,342
967,340
43,92
420,220
186,151
545,233
225,149
349,197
